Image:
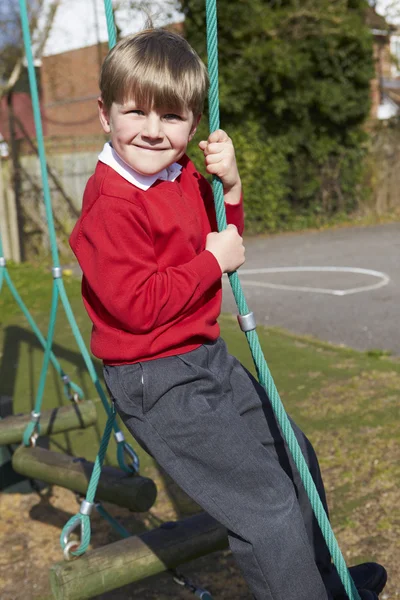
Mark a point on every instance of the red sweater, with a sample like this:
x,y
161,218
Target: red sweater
x,y
149,286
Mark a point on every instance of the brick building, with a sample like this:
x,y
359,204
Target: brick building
x,y
69,91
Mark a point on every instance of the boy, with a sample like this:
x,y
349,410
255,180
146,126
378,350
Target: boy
x,y
152,263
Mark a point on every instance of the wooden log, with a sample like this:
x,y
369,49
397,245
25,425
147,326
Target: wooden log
x,y
135,558
130,491
65,418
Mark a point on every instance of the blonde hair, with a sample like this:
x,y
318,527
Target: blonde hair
x,y
156,68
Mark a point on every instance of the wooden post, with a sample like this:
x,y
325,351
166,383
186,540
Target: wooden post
x,y
4,229
129,491
135,558
16,177
8,215
65,418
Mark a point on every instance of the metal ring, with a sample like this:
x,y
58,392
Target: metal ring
x,y
65,379
66,551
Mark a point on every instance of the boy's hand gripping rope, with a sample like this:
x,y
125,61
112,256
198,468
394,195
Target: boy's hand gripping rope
x,y
247,324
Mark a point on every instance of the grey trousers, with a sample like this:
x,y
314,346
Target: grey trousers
x,y
209,424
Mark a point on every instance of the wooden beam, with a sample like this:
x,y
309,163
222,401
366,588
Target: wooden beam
x,y
132,559
130,491
65,418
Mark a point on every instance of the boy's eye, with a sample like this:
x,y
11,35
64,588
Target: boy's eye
x,y
172,117
135,111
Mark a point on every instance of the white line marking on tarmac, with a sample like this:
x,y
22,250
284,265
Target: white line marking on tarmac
x,y
384,279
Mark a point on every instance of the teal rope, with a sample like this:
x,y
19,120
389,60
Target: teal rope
x,y
39,129
59,289
262,368
112,34
35,426
113,522
84,520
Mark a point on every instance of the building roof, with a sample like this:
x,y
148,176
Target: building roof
x,y
377,23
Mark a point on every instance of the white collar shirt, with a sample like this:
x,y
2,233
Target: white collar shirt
x,y
109,157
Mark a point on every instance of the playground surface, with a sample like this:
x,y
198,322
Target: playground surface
x,y
340,285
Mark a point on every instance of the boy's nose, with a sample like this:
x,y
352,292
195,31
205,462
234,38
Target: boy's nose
x,y
152,128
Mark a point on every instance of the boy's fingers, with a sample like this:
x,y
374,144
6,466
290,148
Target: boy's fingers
x,y
219,135
203,144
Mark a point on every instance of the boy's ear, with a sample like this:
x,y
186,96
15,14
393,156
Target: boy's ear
x,y
195,125
103,115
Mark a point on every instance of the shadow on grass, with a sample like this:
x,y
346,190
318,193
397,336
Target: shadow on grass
x,y
14,338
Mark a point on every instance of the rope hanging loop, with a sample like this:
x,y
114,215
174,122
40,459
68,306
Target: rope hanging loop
x,y
125,450
73,548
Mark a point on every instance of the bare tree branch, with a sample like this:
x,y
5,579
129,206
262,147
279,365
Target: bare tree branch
x,y
39,44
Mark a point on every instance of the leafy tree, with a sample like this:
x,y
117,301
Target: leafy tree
x,y
300,70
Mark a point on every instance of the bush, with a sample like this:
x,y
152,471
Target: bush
x,y
295,92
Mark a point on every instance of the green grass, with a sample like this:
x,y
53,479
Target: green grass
x,y
346,401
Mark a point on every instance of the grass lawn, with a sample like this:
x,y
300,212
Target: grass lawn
x,y
346,401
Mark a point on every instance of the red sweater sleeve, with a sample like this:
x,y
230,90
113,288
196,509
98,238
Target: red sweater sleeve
x,y
234,212
115,250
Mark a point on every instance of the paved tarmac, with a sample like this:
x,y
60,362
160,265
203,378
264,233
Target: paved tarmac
x,y
354,298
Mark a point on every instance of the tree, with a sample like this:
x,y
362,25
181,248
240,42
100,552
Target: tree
x,y
300,72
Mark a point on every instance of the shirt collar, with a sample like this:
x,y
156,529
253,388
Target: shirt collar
x,y
109,157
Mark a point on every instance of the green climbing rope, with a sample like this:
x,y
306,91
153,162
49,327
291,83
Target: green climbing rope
x,y
264,374
124,450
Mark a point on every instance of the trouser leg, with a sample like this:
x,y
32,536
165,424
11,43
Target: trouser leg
x,y
198,435
256,410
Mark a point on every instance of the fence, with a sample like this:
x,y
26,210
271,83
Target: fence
x,y
385,167
70,163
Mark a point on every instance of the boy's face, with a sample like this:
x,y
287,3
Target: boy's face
x,y
147,140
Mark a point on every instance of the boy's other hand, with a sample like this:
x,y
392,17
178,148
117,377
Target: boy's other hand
x,y
227,247
220,160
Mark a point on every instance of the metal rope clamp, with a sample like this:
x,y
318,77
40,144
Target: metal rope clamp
x,y
85,509
74,396
57,272
247,322
35,418
2,261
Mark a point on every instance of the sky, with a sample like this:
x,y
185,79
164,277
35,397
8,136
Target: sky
x,y
80,23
